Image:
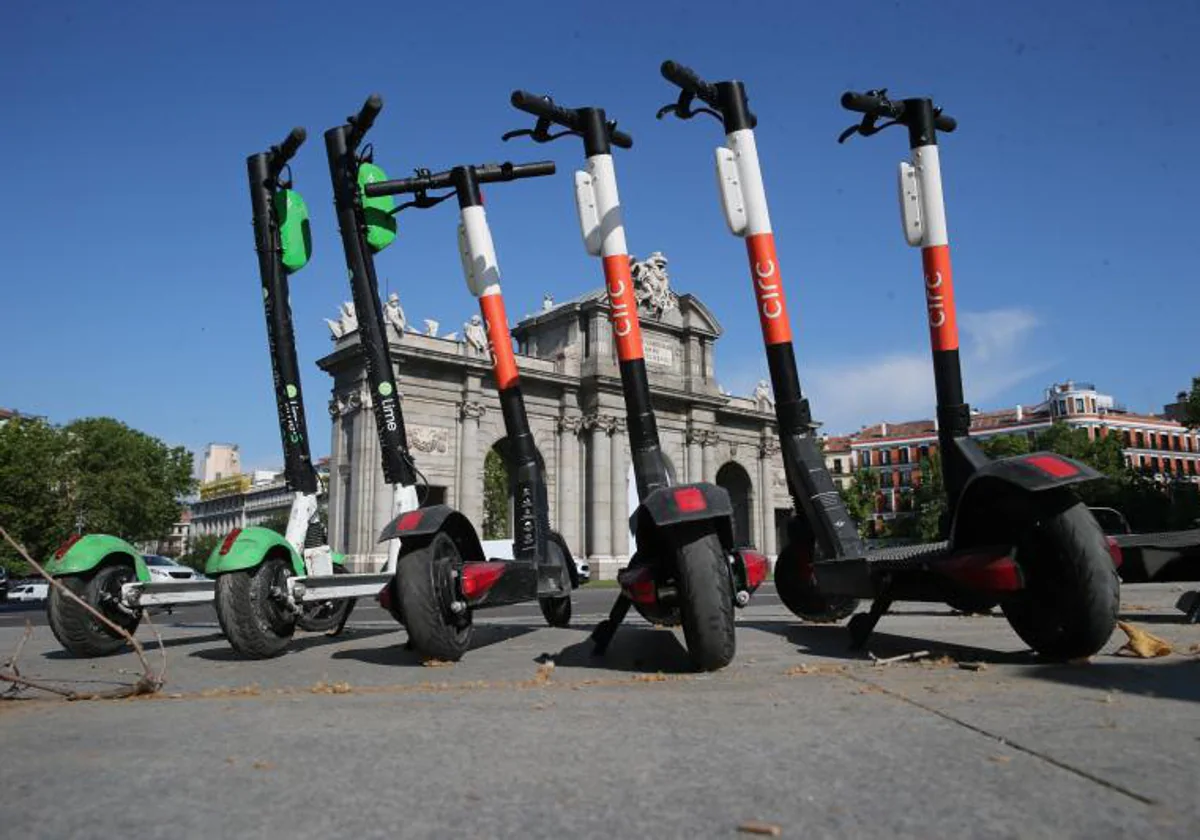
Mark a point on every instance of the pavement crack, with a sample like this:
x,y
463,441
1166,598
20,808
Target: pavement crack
x,y
1008,742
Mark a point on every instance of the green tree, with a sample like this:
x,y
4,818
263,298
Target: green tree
x,y
1191,405
34,480
929,501
496,524
125,482
198,551
1005,446
1104,454
277,523
860,497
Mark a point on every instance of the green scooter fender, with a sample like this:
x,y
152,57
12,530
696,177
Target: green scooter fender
x,y
90,551
250,548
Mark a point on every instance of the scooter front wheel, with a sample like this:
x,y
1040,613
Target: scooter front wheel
x,y
326,616
556,609
425,581
1068,608
252,608
706,599
77,630
798,590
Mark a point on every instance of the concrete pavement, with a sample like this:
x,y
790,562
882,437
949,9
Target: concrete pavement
x,y
354,736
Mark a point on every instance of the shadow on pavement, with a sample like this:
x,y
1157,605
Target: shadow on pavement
x,y
1178,680
224,653
636,649
1153,618
402,654
833,641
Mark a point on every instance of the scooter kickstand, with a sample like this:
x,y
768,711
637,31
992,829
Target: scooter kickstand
x,y
862,625
607,628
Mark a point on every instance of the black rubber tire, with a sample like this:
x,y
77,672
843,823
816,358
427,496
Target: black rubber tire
x,y
1068,609
326,616
257,625
706,599
77,630
800,595
557,610
424,583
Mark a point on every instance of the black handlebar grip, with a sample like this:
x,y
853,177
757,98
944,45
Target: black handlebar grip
x,y
620,139
403,185
864,104
368,112
945,123
290,145
686,78
533,170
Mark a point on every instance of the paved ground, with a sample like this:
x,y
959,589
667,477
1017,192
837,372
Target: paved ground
x,y
353,736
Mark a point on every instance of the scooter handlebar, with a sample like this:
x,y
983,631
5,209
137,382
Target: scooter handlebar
x,y
361,122
543,107
866,103
485,173
687,79
286,150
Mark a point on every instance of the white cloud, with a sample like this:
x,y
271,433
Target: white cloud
x,y
998,353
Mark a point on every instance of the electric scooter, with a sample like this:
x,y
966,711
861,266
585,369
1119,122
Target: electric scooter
x,y
685,569
1019,536
252,566
441,573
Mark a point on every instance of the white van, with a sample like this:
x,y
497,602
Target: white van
x,y
30,592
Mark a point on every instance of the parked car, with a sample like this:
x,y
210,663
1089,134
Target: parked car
x,y
30,592
3,584
164,569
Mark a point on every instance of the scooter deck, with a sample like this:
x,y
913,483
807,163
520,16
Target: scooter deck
x,y
1160,539
919,572
139,594
333,587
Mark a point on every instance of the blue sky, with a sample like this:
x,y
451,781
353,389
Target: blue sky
x,y
128,282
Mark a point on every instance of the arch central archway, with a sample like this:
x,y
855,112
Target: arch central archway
x,y
736,481
497,494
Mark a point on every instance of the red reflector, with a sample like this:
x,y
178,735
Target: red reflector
x,y
984,571
756,569
229,540
409,520
65,547
1052,465
1114,551
690,500
478,578
639,585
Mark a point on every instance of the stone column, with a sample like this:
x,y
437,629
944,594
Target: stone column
x,y
566,522
711,440
768,448
695,442
470,462
619,471
599,524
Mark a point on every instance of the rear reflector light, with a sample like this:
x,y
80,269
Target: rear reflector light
x,y
65,547
985,571
756,567
478,578
689,500
1114,551
409,520
638,585
1053,466
229,540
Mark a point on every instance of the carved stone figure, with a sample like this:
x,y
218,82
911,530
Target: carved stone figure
x,y
547,302
431,327
345,404
346,323
393,313
651,286
762,393
475,335
434,439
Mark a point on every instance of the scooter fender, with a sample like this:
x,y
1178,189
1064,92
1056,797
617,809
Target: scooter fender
x,y
1036,473
682,503
249,549
421,525
91,551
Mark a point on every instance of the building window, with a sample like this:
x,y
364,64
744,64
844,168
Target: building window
x,y
1128,437
1139,441
885,456
837,466
906,478
924,451
885,479
1079,407
904,455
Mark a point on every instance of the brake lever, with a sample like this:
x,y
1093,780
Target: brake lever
x,y
540,133
866,128
422,201
683,109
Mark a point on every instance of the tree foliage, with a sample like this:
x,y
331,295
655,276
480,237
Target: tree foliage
x,y
497,523
860,497
96,475
1191,405
197,553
